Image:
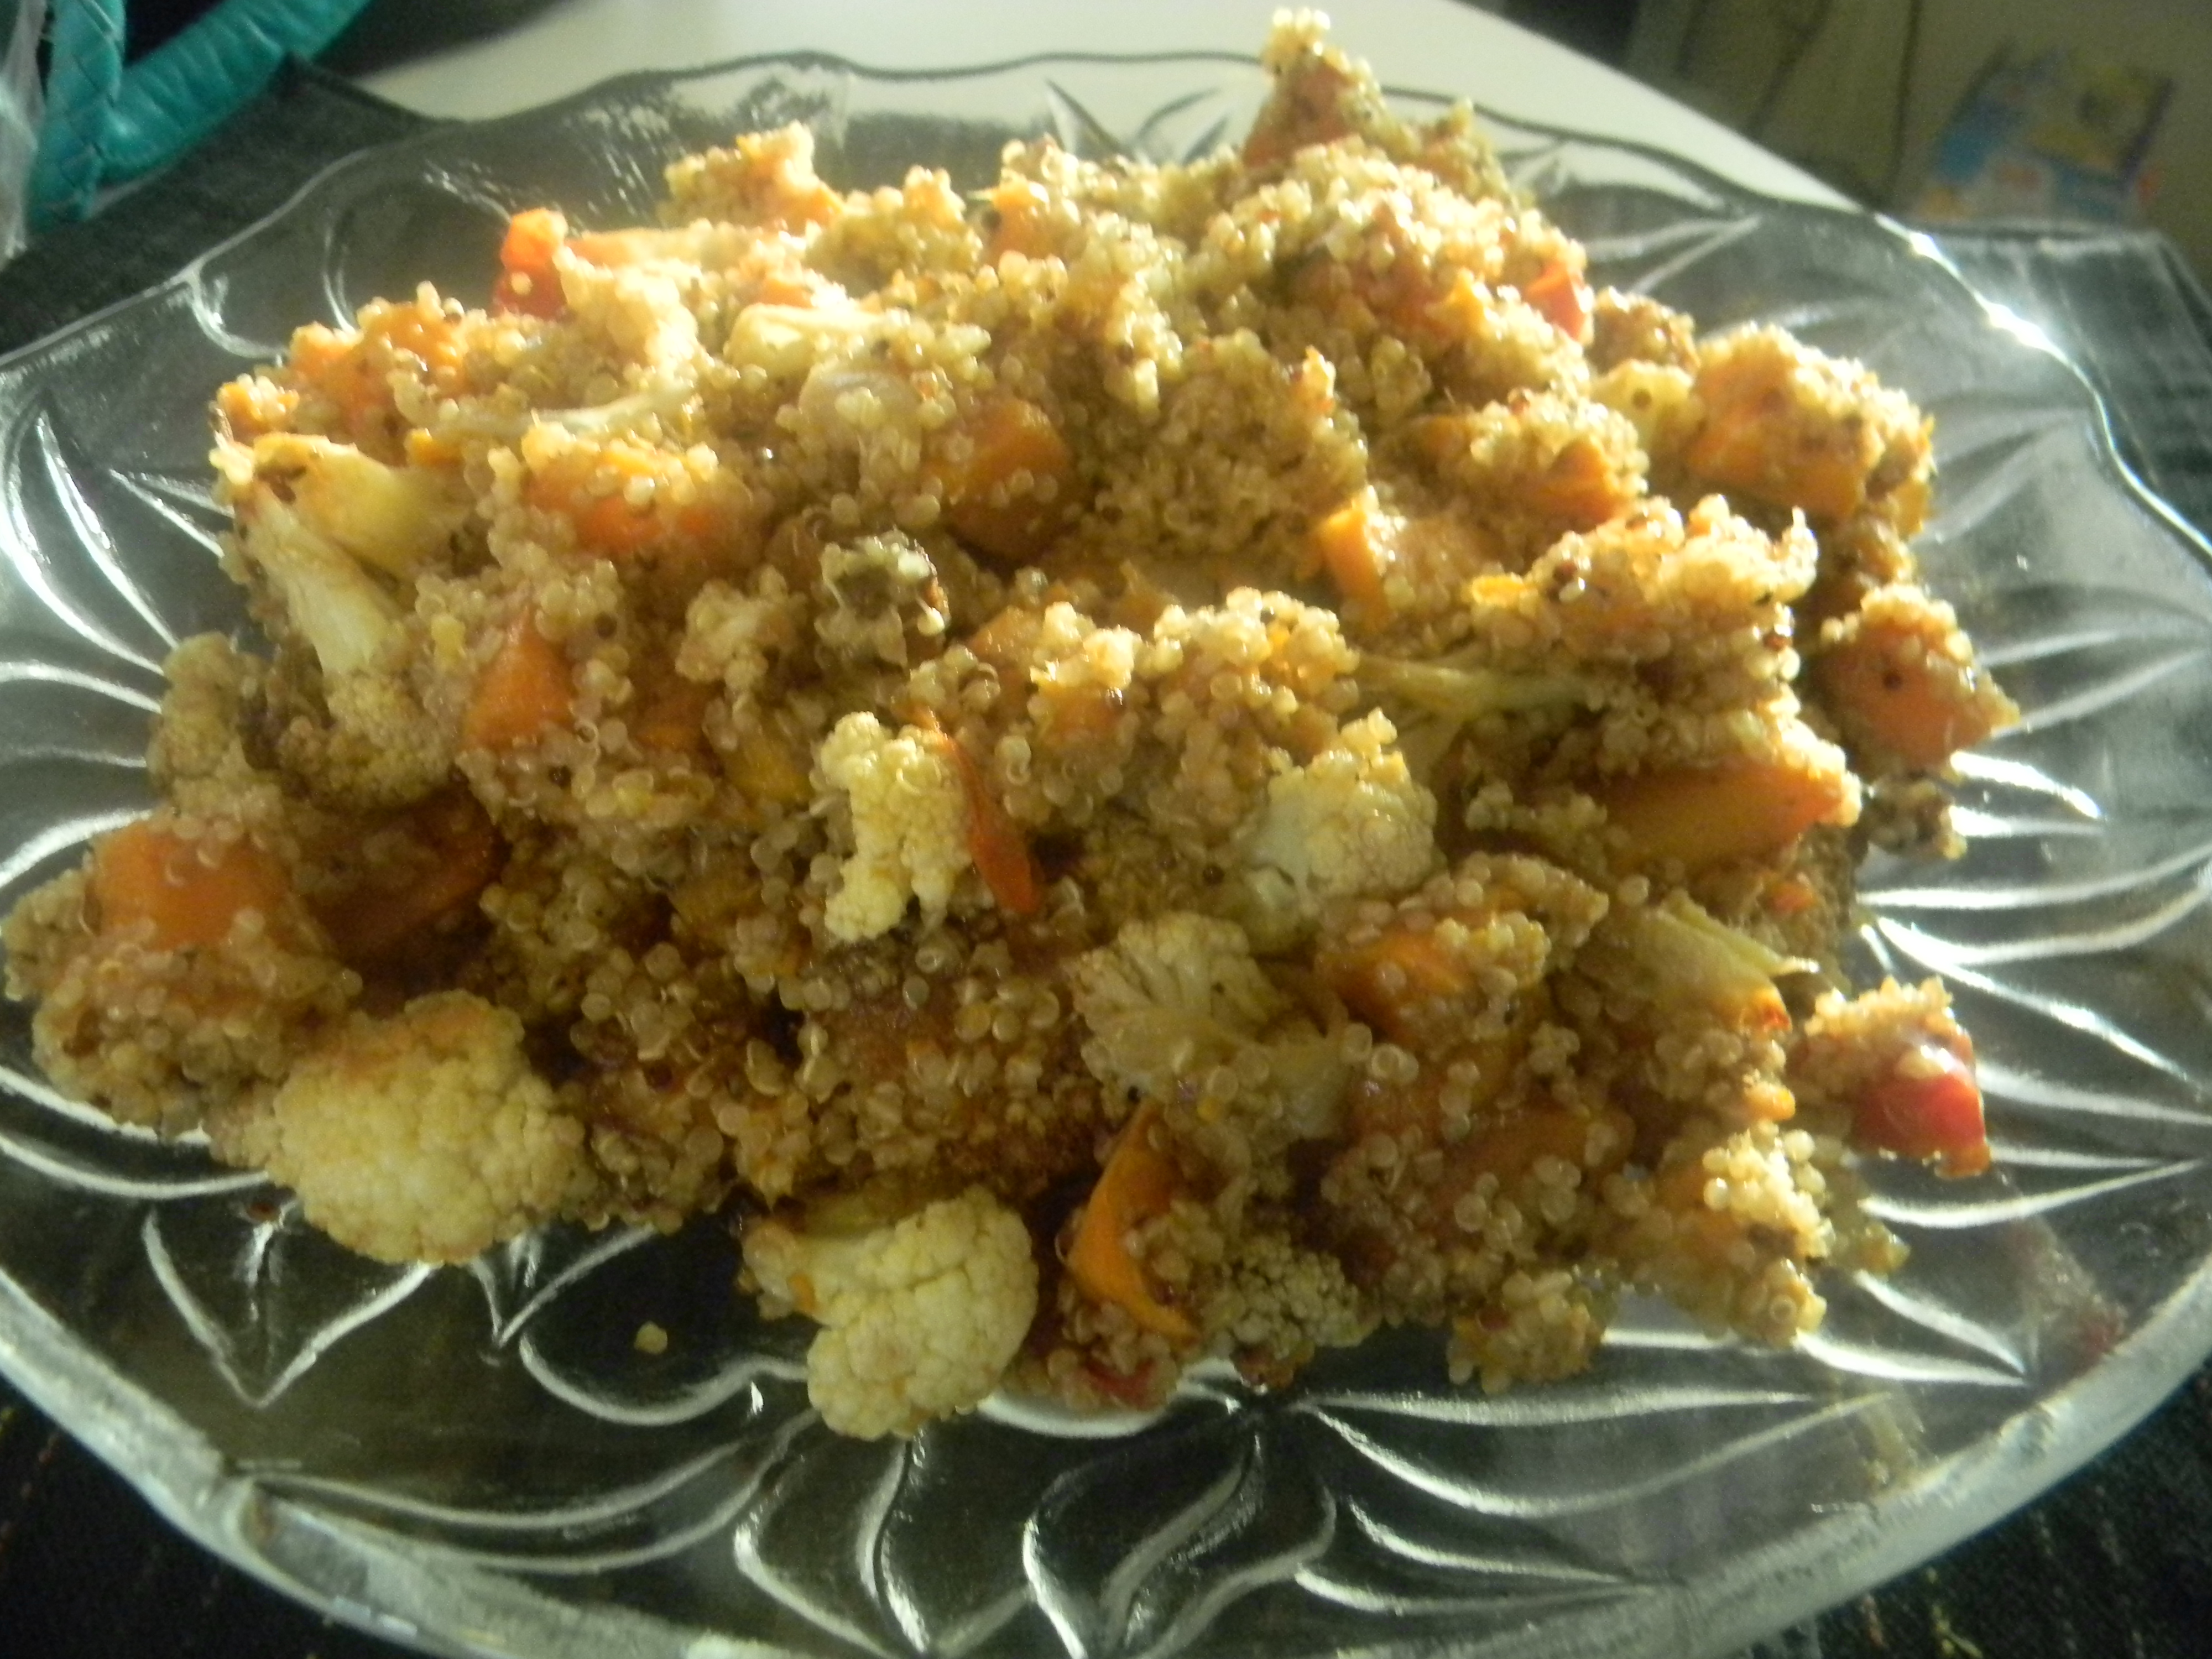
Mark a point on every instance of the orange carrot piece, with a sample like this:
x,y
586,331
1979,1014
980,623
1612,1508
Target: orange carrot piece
x,y
240,412
1010,440
604,524
339,369
1509,1148
425,451
1138,1184
995,841
1902,701
783,288
1929,1107
1578,487
1385,980
706,526
143,873
527,282
524,692
1754,440
1019,205
1349,547
431,339
1705,815
1562,298
1084,715
1791,896
1399,1110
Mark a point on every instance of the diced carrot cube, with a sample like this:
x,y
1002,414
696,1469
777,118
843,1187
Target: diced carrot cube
x,y
1350,546
1385,979
243,409
1565,300
1921,710
524,692
527,282
1579,486
1929,1107
143,873
1705,815
1020,207
1509,1148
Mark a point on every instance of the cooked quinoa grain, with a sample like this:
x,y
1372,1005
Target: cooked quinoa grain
x,y
1173,761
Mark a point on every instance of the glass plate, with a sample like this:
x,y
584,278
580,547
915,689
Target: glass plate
x,y
480,1461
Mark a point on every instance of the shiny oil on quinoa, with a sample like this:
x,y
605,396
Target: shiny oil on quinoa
x,y
1169,762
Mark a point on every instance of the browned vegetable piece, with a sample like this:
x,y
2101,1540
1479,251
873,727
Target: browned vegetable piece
x,y
434,860
1011,488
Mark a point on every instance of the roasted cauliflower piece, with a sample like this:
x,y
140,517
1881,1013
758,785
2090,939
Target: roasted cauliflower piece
x,y
919,1318
371,742
1351,822
1179,1012
910,824
394,518
422,1137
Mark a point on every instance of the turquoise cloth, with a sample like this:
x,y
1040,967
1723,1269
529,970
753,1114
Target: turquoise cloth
x,y
106,122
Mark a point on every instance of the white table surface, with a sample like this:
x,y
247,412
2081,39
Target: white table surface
x,y
1432,45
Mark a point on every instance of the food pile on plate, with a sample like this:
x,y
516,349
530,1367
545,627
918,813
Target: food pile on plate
x,y
1171,761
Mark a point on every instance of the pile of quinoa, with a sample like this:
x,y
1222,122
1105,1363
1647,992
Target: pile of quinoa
x,y
1169,761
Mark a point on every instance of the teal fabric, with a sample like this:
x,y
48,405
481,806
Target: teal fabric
x,y
84,79
105,124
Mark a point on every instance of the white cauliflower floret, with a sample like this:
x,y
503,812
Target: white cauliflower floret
x,y
1174,982
735,639
909,813
394,517
424,1137
379,746
920,1319
1176,1006
1352,823
346,615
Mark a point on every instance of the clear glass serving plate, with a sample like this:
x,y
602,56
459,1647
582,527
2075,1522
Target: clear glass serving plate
x,y
479,1460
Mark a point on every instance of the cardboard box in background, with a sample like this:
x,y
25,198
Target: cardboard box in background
x,y
1863,92
2057,135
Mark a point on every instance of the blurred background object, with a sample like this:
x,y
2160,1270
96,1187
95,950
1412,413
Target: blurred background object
x,y
2059,135
2046,108
97,94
